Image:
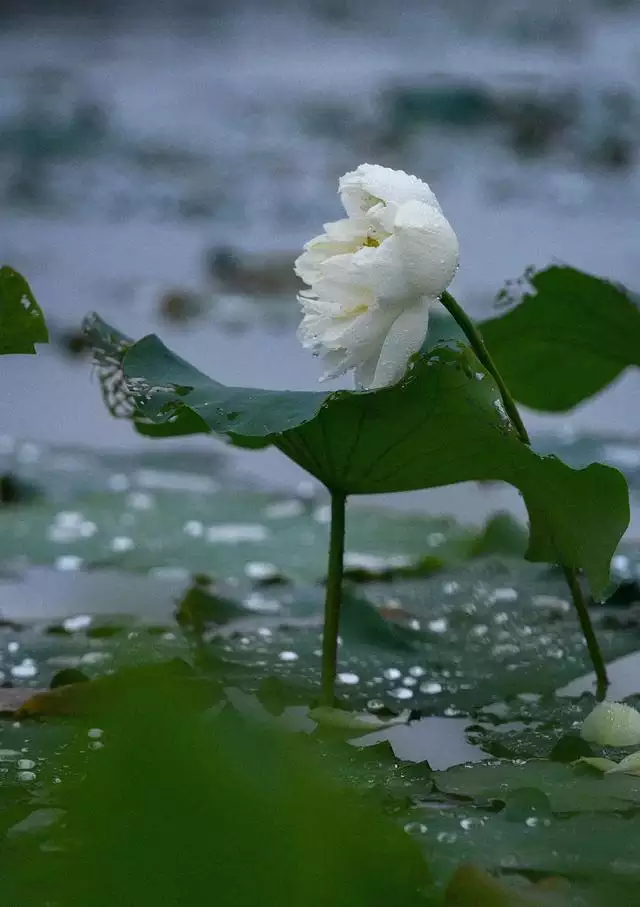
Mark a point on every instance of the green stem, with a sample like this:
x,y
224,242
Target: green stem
x,y
474,337
571,574
573,582
333,598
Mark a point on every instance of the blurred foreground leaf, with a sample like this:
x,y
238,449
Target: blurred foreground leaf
x,y
180,807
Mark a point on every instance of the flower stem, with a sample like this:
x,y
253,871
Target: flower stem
x,y
571,574
474,337
333,598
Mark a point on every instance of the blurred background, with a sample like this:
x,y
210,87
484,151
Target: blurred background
x,y
163,164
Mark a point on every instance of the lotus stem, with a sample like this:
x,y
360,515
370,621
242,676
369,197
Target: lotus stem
x,y
333,598
474,337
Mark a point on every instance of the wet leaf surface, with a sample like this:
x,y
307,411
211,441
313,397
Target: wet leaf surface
x,y
22,323
569,788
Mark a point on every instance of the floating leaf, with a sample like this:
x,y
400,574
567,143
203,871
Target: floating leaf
x,y
599,763
22,323
465,638
443,424
597,850
570,336
567,788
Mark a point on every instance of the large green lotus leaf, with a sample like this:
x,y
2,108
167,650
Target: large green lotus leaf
x,y
22,323
444,423
570,336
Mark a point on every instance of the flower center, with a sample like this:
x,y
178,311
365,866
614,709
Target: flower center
x,y
372,242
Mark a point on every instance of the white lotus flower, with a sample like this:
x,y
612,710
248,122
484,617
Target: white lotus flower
x,y
374,275
612,724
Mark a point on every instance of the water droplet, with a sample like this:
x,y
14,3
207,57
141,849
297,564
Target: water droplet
x,y
28,668
287,655
79,622
194,528
551,602
281,510
233,533
375,705
446,837
503,595
29,453
417,671
26,776
500,618
532,821
431,688
257,601
26,764
439,625
95,733
409,681
260,570
140,500
434,539
375,563
401,693
13,646
8,755
621,565
505,649
322,514
451,587
415,828
68,562
122,543
348,677
392,674
479,630
118,482
92,658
